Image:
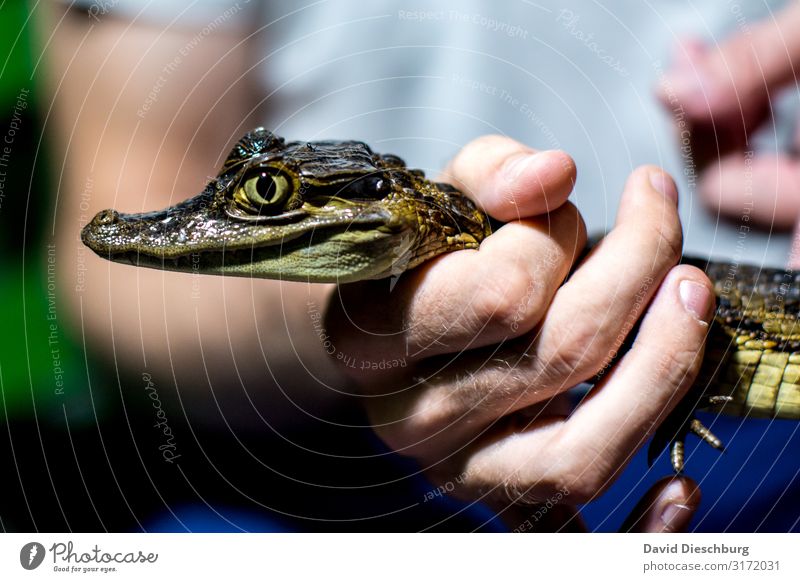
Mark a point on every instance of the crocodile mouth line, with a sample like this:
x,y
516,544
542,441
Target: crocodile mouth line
x,y
195,260
200,260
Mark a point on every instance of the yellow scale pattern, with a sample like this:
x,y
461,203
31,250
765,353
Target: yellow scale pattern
x,y
763,380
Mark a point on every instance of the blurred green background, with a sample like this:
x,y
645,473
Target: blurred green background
x,y
38,356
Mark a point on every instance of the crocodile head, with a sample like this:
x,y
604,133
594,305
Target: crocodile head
x,y
325,211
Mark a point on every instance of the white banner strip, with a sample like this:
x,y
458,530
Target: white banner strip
x,y
400,557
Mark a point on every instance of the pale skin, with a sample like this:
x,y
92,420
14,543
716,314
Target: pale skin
x,y
514,447
497,418
726,90
146,320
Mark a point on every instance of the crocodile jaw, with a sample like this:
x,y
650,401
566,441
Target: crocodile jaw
x,y
198,237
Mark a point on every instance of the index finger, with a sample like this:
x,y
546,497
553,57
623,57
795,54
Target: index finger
x,y
584,453
509,180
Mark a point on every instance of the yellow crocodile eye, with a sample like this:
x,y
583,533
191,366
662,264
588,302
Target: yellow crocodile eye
x,y
267,189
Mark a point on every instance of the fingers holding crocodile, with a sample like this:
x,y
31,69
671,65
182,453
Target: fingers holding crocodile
x,y
614,284
453,397
462,300
509,180
469,299
584,453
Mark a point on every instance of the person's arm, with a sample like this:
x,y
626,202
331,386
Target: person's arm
x,y
145,116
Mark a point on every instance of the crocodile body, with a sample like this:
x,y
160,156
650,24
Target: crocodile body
x,y
335,211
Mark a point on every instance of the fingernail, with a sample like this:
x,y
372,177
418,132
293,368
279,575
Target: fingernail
x,y
675,516
518,163
664,184
696,299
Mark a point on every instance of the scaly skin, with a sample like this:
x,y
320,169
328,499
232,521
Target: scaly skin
x,y
751,366
343,214
334,211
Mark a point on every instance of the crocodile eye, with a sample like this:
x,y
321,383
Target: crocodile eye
x,y
266,190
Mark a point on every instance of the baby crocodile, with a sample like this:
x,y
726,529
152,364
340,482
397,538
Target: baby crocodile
x,y
335,211
323,211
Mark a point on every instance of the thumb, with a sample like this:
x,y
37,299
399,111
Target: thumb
x,y
734,79
667,507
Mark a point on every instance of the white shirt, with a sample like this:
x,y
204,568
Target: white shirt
x,y
421,79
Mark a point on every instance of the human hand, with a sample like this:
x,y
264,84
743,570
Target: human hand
x,y
490,340
723,93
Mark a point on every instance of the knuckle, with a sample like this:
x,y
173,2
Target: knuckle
x,y
510,305
580,226
568,228
575,355
585,486
580,484
519,492
464,160
677,367
416,424
490,140
492,149
668,239
579,469
403,438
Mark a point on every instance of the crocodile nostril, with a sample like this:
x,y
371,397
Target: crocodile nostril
x,y
106,217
